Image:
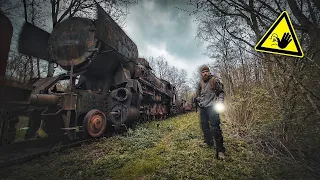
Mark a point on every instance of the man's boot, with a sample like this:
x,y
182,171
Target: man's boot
x,y
204,144
221,156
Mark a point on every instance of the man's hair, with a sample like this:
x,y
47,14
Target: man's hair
x,y
204,68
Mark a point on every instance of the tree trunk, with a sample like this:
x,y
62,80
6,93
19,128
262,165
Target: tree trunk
x,y
38,67
31,67
54,12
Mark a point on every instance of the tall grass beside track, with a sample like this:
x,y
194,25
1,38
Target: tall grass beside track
x,y
167,149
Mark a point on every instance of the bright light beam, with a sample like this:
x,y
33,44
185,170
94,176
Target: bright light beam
x,y
219,107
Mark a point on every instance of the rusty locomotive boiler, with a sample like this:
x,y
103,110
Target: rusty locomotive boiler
x,y
108,83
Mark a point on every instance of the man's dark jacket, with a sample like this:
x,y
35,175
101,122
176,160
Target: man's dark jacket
x,y
210,91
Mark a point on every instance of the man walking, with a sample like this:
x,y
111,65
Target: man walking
x,y
210,98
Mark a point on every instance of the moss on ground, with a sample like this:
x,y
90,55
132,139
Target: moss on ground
x,y
166,149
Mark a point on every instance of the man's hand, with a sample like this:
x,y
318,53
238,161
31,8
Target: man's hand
x,y
198,101
285,40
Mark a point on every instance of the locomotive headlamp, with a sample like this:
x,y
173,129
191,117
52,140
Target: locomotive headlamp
x,y
219,107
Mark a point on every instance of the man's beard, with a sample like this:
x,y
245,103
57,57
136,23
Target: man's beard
x,y
205,78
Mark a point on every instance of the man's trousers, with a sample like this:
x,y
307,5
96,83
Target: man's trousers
x,y
210,125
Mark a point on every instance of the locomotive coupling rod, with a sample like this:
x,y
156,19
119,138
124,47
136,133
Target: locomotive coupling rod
x,y
44,99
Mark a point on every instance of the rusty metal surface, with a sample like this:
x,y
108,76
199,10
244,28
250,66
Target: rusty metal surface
x,y
158,83
122,76
133,114
118,114
121,94
159,96
5,36
44,99
104,63
42,85
143,62
95,123
72,42
33,41
88,100
69,119
149,85
109,32
69,101
168,88
7,82
14,92
140,71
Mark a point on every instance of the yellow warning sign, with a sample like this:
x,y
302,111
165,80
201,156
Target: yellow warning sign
x,y
280,38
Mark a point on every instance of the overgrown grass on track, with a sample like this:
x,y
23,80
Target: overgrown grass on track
x,y
166,149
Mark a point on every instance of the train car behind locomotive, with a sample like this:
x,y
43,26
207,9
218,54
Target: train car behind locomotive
x,y
114,86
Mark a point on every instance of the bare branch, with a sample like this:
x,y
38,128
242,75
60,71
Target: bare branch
x,y
302,19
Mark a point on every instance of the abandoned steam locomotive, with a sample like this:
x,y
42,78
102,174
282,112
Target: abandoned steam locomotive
x,y
108,83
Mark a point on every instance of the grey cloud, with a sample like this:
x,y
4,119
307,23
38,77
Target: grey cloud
x,y
165,23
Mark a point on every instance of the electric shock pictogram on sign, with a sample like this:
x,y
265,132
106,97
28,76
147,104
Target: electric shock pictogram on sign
x,y
280,38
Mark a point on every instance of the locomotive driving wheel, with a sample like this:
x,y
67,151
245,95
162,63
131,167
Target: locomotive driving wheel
x,y
94,123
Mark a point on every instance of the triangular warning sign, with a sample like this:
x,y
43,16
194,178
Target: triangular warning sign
x,y
280,38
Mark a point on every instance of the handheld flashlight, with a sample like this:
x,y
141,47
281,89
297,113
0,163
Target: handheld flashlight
x,y
219,107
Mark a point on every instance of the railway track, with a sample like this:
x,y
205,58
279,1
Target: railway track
x,y
21,152
24,151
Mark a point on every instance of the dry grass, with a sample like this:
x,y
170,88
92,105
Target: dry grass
x,y
160,150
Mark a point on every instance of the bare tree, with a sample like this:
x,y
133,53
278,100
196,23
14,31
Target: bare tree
x,y
161,67
8,6
186,92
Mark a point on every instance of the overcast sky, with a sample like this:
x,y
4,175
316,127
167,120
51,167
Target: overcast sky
x,y
158,28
